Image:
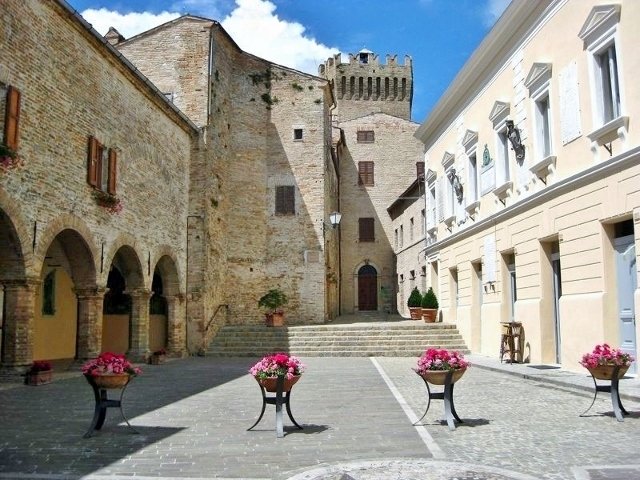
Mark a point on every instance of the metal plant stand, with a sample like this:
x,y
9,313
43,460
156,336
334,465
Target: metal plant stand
x,y
280,398
613,390
447,396
102,403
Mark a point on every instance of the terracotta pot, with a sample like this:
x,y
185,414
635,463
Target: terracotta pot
x,y
275,319
157,359
429,315
438,377
270,384
605,372
416,313
38,378
112,380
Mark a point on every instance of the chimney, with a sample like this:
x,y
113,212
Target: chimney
x,y
113,36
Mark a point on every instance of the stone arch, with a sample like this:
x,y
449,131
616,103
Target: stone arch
x,y
166,262
366,277
78,244
16,261
124,254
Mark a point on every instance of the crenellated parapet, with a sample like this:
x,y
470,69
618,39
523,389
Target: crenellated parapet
x,y
363,79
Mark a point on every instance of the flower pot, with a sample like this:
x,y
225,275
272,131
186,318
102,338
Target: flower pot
x,y
114,380
157,359
275,319
429,314
438,377
605,372
38,378
415,312
270,383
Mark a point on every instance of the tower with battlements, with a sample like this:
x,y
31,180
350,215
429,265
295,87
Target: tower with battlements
x,y
363,85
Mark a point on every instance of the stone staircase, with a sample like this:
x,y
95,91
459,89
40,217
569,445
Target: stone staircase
x,y
360,336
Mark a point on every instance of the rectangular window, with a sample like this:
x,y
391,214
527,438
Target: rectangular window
x,y
285,200
412,279
411,225
401,235
423,224
420,170
502,157
423,275
395,239
473,178
297,134
543,127
365,173
365,136
609,87
49,294
366,230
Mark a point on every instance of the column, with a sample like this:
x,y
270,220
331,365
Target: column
x,y
90,304
139,333
20,297
176,326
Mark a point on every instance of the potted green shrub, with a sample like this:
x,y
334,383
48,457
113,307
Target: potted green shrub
x,y
415,304
273,301
429,306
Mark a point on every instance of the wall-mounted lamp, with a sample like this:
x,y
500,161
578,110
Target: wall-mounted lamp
x,y
334,220
516,142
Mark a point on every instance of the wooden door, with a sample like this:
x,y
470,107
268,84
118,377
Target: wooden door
x,y
367,288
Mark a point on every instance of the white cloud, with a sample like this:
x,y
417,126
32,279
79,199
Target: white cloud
x,y
494,10
128,24
253,24
256,28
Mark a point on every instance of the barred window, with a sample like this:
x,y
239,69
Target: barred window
x,y
366,136
285,200
366,229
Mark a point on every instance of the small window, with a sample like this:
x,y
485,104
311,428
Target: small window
x,y
401,235
365,173
366,228
411,225
12,118
366,136
543,127
607,66
364,58
395,239
285,200
297,134
420,170
49,294
101,166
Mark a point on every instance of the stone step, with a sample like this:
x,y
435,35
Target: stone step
x,y
362,338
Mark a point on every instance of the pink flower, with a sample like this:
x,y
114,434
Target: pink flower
x,y
605,355
277,364
440,359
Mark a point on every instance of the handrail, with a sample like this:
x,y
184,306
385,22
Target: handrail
x,y
214,316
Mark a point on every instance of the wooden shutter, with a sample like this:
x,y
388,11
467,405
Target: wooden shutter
x,y
12,118
285,200
365,173
366,229
93,163
113,160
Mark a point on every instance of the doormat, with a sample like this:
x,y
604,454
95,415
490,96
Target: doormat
x,y
543,367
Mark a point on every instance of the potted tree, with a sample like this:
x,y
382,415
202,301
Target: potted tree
x,y
415,304
273,301
429,306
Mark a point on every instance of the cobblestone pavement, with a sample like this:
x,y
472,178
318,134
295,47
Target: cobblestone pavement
x,y
357,415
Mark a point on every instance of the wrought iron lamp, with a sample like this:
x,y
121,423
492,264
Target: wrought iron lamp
x,y
516,142
334,221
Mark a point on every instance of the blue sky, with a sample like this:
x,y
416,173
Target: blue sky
x,y
439,35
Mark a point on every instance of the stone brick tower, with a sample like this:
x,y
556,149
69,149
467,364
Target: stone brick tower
x,y
377,156
364,85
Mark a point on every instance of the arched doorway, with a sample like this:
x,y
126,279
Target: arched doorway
x,y
367,288
166,326
157,315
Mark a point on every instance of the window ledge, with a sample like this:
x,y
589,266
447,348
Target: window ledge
x,y
616,128
431,229
544,167
502,191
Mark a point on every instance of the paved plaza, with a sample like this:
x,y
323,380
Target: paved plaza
x,y
357,414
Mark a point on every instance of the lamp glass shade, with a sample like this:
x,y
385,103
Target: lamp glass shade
x,y
335,218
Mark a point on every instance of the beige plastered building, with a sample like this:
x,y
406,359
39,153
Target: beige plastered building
x,y
547,238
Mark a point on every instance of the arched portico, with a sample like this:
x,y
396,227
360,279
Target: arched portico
x,y
167,327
